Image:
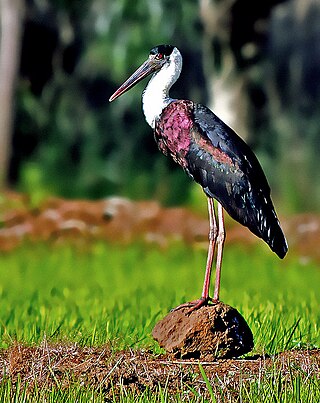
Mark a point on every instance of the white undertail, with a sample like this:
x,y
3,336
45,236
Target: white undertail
x,y
156,95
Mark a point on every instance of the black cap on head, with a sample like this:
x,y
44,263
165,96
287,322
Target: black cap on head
x,y
165,50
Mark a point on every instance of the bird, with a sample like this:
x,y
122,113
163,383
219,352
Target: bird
x,y
211,154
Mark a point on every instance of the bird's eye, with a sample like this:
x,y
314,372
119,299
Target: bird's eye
x,y
159,56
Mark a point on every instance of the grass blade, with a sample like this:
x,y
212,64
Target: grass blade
x,y
208,384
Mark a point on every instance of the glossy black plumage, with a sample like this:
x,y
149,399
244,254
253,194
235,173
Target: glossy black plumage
x,y
223,164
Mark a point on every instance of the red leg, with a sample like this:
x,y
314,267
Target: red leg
x,y
212,241
213,232
220,242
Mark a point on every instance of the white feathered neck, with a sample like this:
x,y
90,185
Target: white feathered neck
x,y
156,95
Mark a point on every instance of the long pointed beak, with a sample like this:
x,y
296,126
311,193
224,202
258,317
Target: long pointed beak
x,y
147,68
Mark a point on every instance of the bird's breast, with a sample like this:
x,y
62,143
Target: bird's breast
x,y
173,130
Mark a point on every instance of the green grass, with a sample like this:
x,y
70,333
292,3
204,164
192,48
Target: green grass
x,y
94,294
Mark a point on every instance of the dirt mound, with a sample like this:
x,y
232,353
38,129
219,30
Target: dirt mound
x,y
47,365
213,331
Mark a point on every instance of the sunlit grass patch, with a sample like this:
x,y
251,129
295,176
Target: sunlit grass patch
x,y
107,294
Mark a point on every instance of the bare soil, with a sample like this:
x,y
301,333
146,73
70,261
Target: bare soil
x,y
49,365
123,221
212,331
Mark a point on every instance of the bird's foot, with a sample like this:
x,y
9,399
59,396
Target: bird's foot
x,y
194,305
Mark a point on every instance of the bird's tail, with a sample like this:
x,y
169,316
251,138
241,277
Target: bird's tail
x,y
265,224
258,214
275,238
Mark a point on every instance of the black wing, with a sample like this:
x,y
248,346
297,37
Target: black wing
x,y
223,164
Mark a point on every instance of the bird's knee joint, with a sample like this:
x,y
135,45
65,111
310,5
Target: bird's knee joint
x,y
213,233
221,237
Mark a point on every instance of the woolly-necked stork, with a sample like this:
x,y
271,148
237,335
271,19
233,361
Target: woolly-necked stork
x,y
213,155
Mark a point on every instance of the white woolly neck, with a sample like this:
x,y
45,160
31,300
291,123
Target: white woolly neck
x,y
156,95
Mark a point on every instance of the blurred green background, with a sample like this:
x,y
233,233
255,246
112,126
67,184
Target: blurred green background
x,y
255,63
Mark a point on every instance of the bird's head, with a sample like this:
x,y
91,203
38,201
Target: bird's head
x,y
159,57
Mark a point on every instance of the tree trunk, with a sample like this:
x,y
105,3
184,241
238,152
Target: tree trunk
x,y
11,14
226,84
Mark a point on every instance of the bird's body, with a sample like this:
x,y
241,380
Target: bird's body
x,y
212,154
221,162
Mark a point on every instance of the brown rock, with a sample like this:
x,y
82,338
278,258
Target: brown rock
x,y
213,331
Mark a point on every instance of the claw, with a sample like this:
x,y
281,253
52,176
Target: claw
x,y
194,305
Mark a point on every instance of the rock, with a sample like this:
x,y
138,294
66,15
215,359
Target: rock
x,y
213,331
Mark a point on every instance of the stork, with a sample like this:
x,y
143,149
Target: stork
x,y
213,155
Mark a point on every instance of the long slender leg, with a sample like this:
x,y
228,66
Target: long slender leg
x,y
220,242
213,231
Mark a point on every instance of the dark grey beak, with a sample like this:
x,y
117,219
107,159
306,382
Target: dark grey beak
x,y
148,67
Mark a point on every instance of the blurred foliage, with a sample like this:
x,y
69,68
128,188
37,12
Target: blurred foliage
x,y
70,141
291,132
